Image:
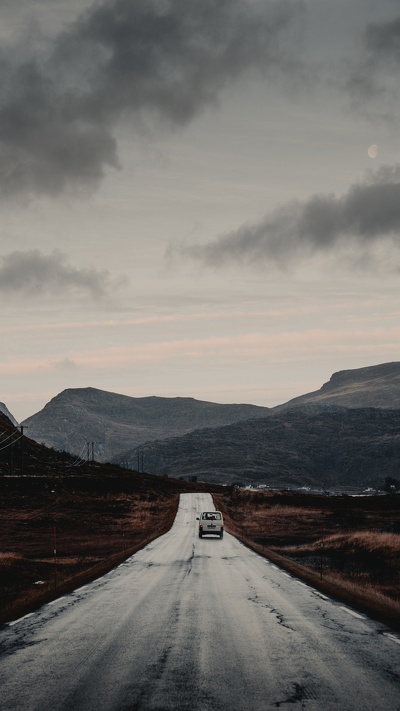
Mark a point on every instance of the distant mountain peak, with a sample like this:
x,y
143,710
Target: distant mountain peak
x,y
4,409
372,372
373,386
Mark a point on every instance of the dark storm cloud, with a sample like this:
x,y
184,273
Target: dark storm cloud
x,y
33,273
377,68
368,212
126,60
382,40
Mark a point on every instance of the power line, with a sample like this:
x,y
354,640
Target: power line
x,y
10,444
79,460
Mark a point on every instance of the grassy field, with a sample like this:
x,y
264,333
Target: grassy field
x,y
58,533
346,546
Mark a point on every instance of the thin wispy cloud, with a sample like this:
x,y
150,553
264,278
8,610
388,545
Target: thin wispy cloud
x,y
126,61
34,273
230,315
289,346
66,364
361,218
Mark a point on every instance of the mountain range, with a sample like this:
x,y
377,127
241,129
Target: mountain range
x,y
338,448
114,423
346,432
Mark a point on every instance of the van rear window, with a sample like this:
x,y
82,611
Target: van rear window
x,y
211,516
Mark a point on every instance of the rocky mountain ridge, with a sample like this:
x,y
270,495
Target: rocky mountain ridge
x,y
373,386
76,418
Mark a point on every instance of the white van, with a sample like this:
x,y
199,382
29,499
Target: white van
x,y
211,522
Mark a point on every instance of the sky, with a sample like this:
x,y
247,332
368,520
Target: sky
x,y
199,198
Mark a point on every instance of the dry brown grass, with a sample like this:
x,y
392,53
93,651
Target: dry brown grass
x,y
375,542
283,522
95,520
92,528
8,559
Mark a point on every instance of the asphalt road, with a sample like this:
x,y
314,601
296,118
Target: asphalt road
x,y
199,625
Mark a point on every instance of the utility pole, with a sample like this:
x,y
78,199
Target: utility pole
x,y
90,451
11,454
21,445
140,458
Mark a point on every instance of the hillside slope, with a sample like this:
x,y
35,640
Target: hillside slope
x,y
115,423
341,447
375,386
5,411
24,457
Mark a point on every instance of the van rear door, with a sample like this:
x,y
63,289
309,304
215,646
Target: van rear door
x,y
211,522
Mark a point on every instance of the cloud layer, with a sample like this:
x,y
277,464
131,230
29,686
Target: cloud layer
x,y
376,73
124,60
33,273
368,212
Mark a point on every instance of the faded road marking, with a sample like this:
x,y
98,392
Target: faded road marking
x,y
392,637
351,612
10,624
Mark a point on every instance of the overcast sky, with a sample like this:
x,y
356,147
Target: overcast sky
x,y
199,197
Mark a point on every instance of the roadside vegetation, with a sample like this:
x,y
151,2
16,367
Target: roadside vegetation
x,y
60,532
348,547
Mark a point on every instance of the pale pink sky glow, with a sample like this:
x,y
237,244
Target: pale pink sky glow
x,y
154,320
290,346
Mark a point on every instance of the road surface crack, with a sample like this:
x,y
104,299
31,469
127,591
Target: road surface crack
x,y
281,619
190,561
299,694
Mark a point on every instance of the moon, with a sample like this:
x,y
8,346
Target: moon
x,y
373,151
